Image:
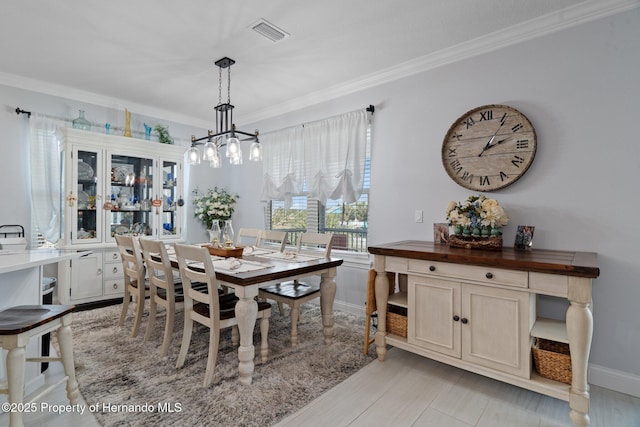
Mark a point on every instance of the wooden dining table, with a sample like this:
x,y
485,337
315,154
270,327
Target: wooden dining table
x,y
246,285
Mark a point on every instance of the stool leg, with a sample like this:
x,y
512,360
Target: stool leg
x,y
295,315
66,350
15,361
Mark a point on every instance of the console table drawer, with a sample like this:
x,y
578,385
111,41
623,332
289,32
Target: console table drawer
x,y
487,275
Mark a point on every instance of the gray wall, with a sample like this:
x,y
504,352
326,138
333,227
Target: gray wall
x,y
579,87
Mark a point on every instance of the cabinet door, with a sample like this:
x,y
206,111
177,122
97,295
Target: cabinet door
x,y
433,307
84,198
130,189
86,277
496,332
169,226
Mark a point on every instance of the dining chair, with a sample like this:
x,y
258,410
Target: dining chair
x,y
272,238
135,285
248,237
296,293
164,289
210,309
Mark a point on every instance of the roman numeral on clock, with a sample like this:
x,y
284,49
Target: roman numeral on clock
x,y
469,122
484,180
486,115
503,176
517,161
452,152
522,144
456,166
517,127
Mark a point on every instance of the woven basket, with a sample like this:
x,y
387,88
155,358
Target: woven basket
x,y
492,243
552,360
396,320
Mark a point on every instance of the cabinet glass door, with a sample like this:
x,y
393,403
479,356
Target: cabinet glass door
x,y
170,220
130,191
86,215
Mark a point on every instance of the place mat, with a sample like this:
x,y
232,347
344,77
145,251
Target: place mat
x,y
229,265
291,257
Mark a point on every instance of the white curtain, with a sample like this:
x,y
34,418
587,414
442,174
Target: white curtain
x,y
45,175
335,150
327,155
283,157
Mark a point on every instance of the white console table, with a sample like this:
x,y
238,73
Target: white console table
x,y
476,310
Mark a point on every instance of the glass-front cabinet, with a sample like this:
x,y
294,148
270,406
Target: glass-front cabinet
x,y
115,185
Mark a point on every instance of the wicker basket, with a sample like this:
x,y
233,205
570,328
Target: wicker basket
x,y
552,360
396,320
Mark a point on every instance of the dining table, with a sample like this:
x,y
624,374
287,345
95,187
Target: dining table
x,y
259,267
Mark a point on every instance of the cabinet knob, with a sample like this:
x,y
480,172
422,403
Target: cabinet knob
x,y
115,256
115,286
115,270
99,272
432,268
456,318
465,320
489,275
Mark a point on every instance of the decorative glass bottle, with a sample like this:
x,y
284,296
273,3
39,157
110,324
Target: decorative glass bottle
x,y
214,233
81,122
227,234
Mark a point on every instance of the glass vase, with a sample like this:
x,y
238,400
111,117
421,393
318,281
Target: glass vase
x,y
214,233
227,234
81,123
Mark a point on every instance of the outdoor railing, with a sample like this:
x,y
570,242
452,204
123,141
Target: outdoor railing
x,y
346,239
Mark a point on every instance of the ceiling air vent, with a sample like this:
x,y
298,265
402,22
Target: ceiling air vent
x,y
268,30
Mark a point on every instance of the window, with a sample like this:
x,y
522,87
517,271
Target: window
x,y
347,221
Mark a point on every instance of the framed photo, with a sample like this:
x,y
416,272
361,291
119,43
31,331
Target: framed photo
x,y
440,232
524,237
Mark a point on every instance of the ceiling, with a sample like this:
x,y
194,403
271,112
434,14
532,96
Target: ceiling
x,y
156,57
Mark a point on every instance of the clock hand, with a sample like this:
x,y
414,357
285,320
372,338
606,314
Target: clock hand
x,y
489,144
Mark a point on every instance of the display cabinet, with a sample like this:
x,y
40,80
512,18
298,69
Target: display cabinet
x,y
114,185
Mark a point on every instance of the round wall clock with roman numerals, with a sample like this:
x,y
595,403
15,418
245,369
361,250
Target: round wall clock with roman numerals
x,y
489,147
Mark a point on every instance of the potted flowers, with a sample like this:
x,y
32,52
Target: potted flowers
x,y
476,223
217,204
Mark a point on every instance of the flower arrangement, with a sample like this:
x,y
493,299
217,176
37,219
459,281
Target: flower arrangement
x,y
214,204
478,215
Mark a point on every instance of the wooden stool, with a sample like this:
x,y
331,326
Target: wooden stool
x,y
17,326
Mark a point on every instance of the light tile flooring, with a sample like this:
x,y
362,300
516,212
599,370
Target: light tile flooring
x,y
409,390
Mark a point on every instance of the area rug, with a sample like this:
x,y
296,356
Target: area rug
x,y
127,383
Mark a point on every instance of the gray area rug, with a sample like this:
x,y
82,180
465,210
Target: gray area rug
x,y
114,369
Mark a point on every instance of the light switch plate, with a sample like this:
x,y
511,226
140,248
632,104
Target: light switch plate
x,y
418,216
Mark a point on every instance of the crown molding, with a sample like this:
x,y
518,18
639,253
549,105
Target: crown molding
x,y
585,12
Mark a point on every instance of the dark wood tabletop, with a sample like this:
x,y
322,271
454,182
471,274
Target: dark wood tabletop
x,y
280,270
569,263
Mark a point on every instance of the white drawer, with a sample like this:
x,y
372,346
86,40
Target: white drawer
x,y
113,286
487,275
112,256
550,284
113,271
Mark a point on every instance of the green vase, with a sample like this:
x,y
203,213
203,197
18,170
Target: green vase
x,y
495,231
81,122
485,232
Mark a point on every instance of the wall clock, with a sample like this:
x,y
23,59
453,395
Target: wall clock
x,y
489,147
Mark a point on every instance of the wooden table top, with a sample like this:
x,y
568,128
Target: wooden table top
x,y
568,263
280,270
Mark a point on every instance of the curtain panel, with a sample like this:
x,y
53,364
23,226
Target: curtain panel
x,y
44,156
325,159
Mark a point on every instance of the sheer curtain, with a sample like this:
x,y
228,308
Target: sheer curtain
x,y
283,157
44,156
327,155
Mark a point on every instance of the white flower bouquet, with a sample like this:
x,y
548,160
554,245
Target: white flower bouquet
x,y
478,215
216,204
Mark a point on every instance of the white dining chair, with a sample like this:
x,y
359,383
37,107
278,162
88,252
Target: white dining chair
x,y
135,285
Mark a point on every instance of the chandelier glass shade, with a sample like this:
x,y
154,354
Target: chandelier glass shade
x,y
226,134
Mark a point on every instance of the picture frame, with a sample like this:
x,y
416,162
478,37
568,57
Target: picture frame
x,y
524,237
440,232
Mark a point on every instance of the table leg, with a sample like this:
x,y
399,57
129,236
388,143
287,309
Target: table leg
x,y
246,313
327,297
382,295
579,329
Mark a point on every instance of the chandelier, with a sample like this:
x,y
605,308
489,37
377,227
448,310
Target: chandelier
x,y
226,134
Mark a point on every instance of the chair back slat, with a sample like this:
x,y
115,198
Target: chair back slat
x,y
132,265
248,237
191,259
310,242
158,266
272,238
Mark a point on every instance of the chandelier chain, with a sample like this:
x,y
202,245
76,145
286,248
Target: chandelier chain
x,y
220,86
229,84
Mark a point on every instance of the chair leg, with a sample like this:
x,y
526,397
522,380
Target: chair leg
x,y
125,306
367,329
212,358
15,361
295,314
264,334
138,317
168,332
235,336
186,340
281,308
153,310
65,341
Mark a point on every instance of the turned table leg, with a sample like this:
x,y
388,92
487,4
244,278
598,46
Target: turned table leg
x,y
382,295
579,330
246,313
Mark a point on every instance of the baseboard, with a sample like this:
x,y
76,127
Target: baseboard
x,y
619,381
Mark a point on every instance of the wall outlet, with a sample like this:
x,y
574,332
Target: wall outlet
x,y
418,216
